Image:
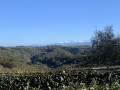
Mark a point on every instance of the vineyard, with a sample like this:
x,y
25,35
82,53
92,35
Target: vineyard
x,y
61,80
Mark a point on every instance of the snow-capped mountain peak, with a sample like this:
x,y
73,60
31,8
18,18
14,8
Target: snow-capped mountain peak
x,y
73,43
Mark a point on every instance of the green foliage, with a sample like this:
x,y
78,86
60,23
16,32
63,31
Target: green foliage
x,y
67,80
9,62
52,56
105,47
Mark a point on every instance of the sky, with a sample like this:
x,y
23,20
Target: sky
x,y
28,22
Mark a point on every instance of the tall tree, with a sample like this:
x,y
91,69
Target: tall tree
x,y
105,46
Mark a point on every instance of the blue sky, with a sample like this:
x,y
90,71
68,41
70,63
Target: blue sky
x,y
27,22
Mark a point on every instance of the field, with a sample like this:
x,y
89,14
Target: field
x,y
85,79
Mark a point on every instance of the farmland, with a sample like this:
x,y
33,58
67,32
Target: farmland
x,y
63,79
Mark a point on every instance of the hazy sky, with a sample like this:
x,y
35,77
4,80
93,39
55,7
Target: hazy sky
x,y
27,22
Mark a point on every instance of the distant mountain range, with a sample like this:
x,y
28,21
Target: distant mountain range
x,y
68,43
73,43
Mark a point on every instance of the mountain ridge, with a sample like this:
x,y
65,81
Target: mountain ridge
x,y
73,43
